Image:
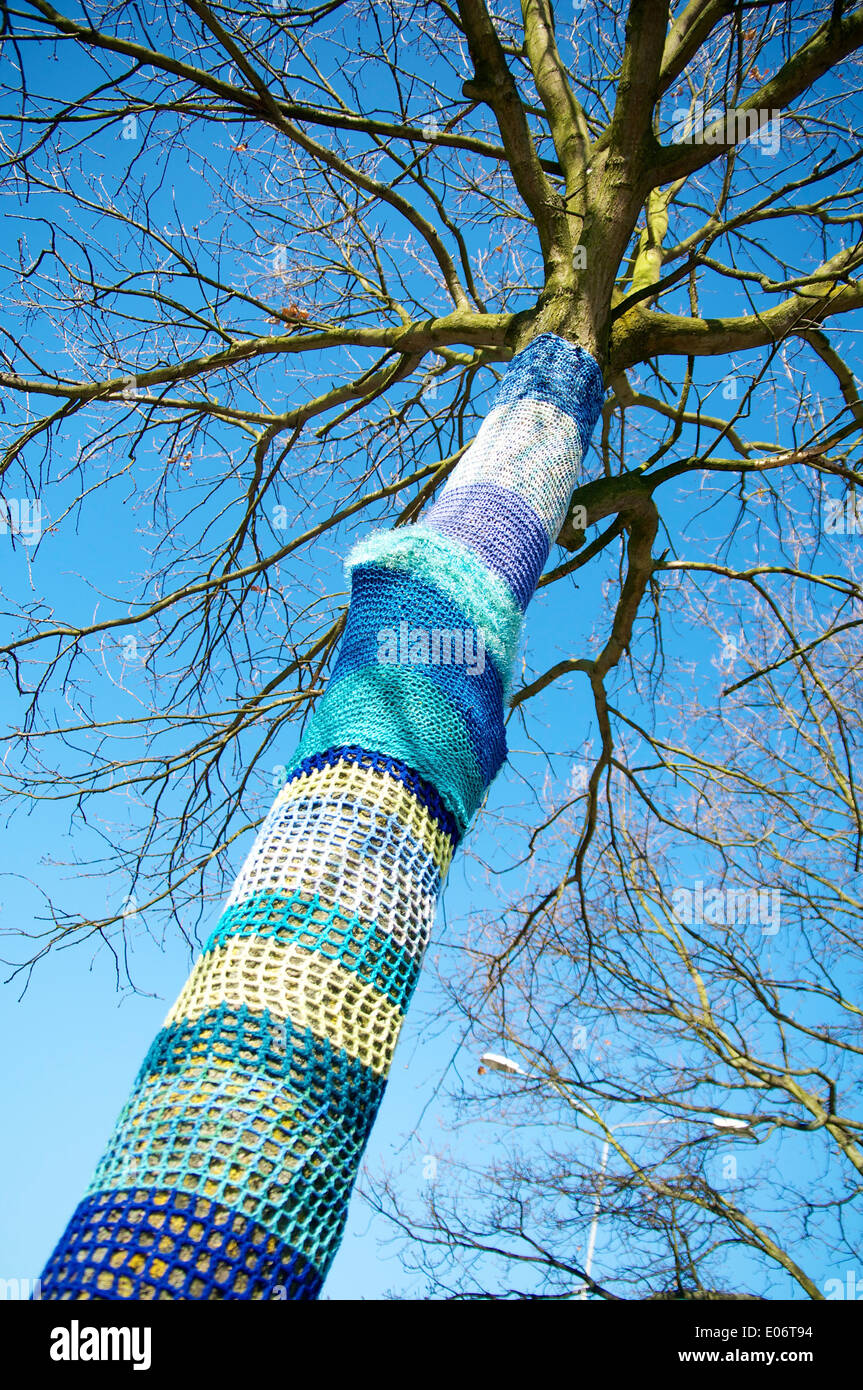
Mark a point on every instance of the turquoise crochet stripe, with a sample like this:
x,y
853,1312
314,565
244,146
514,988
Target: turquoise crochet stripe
x,y
483,596
202,1151
319,1071
360,947
398,711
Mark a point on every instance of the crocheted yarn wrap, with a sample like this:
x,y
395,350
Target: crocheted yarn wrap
x,y
229,1170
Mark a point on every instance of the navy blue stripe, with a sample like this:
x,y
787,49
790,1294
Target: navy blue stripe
x,y
167,1233
553,370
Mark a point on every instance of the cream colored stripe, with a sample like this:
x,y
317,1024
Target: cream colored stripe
x,y
352,860
297,985
531,447
374,791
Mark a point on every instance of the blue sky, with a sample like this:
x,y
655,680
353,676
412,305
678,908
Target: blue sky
x,y
74,1040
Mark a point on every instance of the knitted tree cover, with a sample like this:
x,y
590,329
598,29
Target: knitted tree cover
x,y
229,1170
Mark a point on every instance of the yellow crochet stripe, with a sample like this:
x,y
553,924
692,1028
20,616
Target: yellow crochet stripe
x,y
297,986
375,791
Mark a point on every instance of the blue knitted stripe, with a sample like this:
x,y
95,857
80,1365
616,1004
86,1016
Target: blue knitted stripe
x,y
550,369
144,1244
318,1072
454,569
381,602
381,764
500,528
396,710
360,947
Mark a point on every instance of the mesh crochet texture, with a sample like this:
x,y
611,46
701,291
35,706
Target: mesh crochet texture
x,y
230,1167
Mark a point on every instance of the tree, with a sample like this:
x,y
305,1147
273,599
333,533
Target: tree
x,y
404,199
705,1032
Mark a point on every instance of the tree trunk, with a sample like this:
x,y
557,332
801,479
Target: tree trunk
x,y
230,1168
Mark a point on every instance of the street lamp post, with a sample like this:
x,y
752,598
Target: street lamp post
x,y
594,1225
496,1061
591,1239
726,1124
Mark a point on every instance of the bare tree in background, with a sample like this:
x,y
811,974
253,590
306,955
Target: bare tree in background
x,y
689,1072
267,265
